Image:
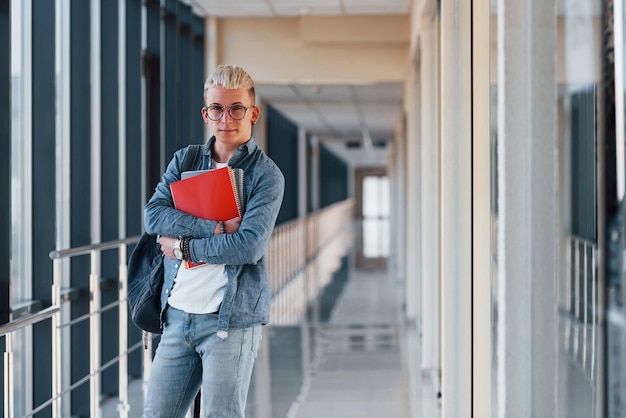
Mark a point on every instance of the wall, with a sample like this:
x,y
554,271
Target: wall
x,y
317,49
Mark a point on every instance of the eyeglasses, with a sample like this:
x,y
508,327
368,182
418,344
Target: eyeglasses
x,y
236,112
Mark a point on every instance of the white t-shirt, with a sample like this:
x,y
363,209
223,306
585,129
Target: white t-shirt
x,y
199,290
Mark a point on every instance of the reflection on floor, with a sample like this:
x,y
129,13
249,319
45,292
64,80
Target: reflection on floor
x,y
343,361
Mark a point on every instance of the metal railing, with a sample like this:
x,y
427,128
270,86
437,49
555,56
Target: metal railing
x,y
301,257
58,325
579,304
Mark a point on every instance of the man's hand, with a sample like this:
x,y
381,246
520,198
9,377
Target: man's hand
x,y
232,226
167,247
167,243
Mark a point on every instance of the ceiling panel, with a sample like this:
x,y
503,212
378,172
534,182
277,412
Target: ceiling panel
x,y
324,93
339,111
390,93
374,9
237,8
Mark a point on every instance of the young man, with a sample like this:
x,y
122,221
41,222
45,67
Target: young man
x,y
212,314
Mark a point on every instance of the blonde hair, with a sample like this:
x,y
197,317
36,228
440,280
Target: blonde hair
x,y
231,77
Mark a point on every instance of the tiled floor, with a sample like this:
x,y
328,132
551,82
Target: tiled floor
x,y
358,370
346,364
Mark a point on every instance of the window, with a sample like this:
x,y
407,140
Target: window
x,y
375,216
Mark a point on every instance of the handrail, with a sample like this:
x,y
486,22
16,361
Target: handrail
x,y
86,249
45,313
28,320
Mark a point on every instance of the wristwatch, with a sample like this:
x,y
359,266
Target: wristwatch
x,y
177,251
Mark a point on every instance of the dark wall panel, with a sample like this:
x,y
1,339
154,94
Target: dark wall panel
x,y
170,78
282,147
174,70
311,156
333,178
197,78
183,80
134,198
109,199
109,148
152,73
80,205
43,172
5,169
584,162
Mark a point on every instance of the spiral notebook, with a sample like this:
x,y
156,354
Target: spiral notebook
x,y
209,194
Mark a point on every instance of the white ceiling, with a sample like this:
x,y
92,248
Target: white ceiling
x,y
342,115
278,8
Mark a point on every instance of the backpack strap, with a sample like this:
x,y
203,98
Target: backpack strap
x,y
192,158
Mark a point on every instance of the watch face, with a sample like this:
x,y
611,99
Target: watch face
x,y
178,253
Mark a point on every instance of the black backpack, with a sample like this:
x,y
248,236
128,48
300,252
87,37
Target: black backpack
x,y
145,268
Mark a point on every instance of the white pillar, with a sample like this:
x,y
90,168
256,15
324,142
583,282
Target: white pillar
x,y
429,177
95,328
456,208
21,160
527,209
412,202
481,211
211,51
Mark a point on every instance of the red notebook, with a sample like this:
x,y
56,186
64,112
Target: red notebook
x,y
211,194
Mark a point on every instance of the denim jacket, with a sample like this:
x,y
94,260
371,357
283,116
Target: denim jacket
x,y
247,296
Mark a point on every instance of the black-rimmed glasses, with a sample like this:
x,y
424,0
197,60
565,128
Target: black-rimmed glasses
x,y
236,112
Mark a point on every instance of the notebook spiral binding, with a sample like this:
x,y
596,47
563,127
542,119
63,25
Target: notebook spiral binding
x,y
236,175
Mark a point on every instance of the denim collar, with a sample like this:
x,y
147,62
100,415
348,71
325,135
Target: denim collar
x,y
249,146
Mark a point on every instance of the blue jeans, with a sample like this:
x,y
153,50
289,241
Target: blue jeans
x,y
191,355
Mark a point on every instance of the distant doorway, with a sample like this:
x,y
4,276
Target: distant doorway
x,y
372,205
